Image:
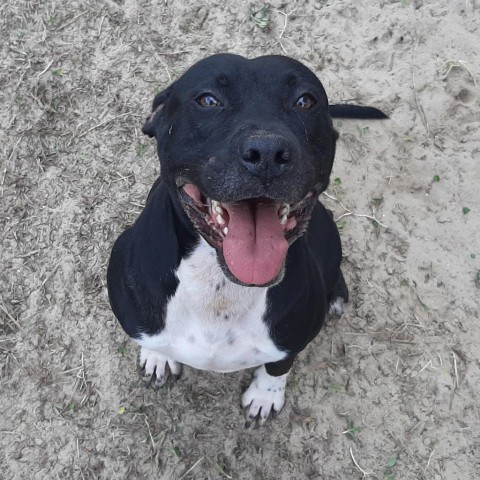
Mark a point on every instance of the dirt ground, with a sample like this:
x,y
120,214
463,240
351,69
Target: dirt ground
x,y
389,391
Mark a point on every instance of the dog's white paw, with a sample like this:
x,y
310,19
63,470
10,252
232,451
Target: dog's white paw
x,y
265,395
336,307
158,368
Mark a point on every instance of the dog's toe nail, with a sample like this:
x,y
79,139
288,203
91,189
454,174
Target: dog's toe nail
x,y
159,382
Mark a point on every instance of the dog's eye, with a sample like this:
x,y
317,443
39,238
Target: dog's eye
x,y
305,101
207,100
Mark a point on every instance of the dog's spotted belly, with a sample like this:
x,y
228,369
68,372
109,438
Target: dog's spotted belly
x,y
212,323
221,356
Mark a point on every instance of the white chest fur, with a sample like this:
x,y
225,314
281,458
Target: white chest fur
x,y
212,323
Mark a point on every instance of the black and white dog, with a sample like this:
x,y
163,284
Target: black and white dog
x,y
234,262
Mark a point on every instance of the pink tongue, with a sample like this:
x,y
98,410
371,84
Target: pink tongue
x,y
255,246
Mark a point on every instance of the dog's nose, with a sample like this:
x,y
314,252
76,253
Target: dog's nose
x,y
265,156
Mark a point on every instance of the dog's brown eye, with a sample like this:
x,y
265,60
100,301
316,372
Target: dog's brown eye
x,y
208,100
305,101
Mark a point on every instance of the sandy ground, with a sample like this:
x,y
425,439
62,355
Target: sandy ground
x,y
389,391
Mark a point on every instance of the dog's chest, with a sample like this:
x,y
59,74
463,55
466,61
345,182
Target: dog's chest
x,y
212,323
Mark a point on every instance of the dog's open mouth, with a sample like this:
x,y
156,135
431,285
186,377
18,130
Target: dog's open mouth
x,y
252,234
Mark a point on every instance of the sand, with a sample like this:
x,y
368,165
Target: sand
x,y
389,391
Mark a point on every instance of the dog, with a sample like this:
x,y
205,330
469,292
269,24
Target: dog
x,y
234,262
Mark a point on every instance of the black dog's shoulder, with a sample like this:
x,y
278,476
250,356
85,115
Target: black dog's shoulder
x,y
297,305
144,258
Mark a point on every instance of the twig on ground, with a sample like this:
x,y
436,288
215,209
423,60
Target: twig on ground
x,y
191,468
349,213
429,460
65,25
101,124
285,21
428,364
459,64
365,474
160,60
455,381
417,103
10,317
45,70
101,25
149,432
455,369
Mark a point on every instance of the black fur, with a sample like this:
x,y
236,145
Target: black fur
x,y
356,111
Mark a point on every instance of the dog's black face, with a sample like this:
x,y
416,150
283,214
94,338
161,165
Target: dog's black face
x,y
246,146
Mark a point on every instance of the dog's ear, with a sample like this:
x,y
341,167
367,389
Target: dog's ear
x,y
158,103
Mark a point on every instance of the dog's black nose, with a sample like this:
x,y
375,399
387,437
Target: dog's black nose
x,y
265,155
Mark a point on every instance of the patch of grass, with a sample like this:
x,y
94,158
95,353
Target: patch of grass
x,y
436,178
337,181
58,72
122,350
336,387
388,474
477,279
465,210
221,470
142,149
362,130
177,452
261,18
341,225
352,430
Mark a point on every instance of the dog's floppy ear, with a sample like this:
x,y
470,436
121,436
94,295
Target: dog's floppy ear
x,y
158,103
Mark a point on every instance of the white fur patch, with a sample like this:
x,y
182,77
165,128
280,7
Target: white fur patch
x,y
336,307
265,394
212,323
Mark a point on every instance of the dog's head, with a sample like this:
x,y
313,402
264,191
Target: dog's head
x,y
246,146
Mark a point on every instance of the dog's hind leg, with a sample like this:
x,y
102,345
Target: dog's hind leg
x,y
338,297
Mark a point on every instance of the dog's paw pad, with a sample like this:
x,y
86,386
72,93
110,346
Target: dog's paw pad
x,y
158,368
336,307
264,397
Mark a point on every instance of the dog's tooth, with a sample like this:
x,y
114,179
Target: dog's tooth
x,y
225,231
284,209
214,204
218,209
220,220
283,220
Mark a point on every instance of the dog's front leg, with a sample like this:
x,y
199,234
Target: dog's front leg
x,y
158,368
266,393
